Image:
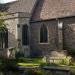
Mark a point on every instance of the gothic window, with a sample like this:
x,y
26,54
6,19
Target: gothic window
x,y
3,39
25,35
43,34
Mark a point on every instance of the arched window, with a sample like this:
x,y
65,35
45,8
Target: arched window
x,y
25,35
43,34
4,39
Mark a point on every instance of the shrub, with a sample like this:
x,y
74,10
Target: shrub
x,y
19,54
8,64
22,59
34,72
65,61
48,64
71,51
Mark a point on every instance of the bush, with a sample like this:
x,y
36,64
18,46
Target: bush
x,y
29,60
65,61
22,59
34,72
71,51
8,64
19,54
48,64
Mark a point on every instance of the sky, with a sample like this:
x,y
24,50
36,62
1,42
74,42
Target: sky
x,y
6,1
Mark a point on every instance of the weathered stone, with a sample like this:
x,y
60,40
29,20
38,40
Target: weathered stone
x,y
38,48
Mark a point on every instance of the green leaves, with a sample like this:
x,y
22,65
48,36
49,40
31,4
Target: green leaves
x,y
2,24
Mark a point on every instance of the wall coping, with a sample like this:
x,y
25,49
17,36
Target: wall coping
x,y
16,15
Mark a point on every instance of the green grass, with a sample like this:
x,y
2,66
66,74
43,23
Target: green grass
x,y
30,60
28,64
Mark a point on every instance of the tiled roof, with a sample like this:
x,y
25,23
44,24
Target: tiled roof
x,y
48,9
3,7
21,6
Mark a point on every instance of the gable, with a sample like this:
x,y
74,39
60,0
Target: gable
x,y
49,9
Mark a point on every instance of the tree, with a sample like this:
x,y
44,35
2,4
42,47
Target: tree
x,y
2,23
3,33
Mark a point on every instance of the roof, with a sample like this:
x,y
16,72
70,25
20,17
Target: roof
x,y
3,7
49,9
21,6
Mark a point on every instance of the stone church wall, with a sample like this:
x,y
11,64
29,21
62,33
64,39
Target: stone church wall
x,y
12,32
38,48
68,33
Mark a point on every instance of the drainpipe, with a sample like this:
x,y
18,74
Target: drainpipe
x,y
60,34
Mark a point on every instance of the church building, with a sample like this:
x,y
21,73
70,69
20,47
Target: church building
x,y
37,27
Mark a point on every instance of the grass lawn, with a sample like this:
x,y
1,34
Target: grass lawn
x,y
32,62
29,62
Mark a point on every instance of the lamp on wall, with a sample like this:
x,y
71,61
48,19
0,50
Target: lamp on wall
x,y
60,25
18,25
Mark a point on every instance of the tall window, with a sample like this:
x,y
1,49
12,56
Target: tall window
x,y
3,39
43,34
25,35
